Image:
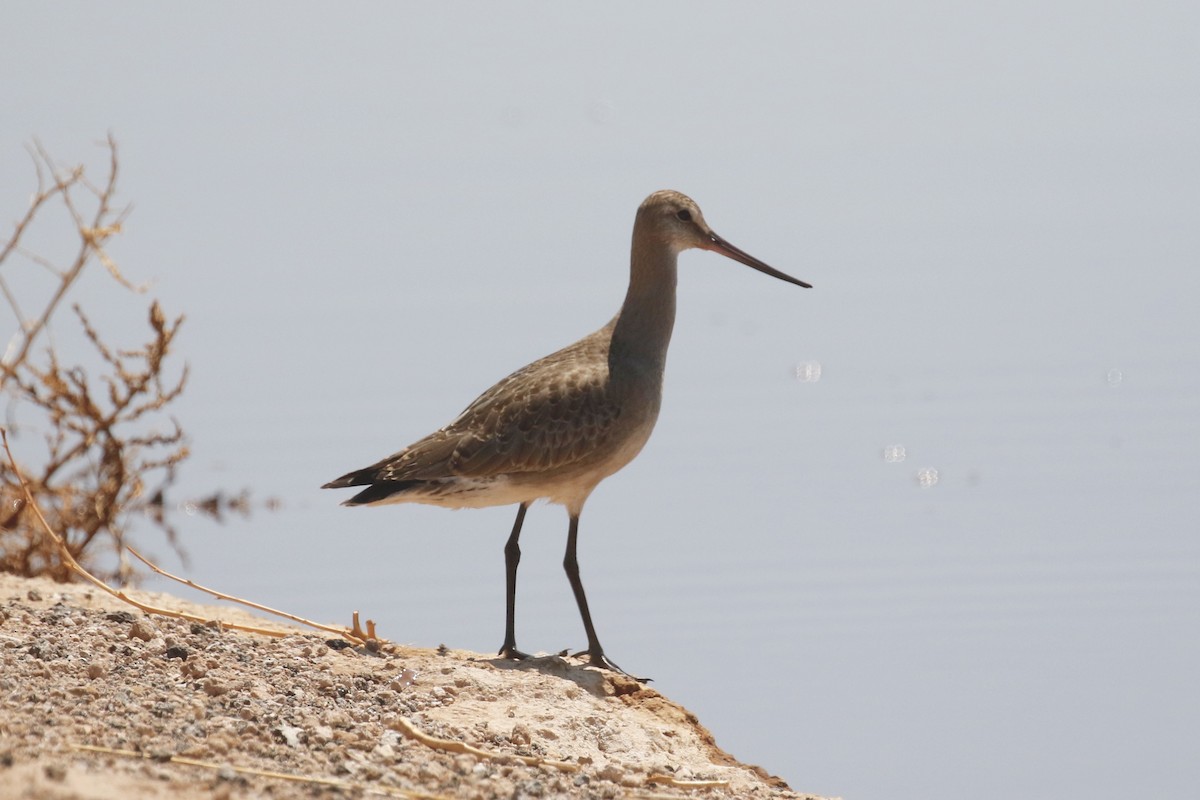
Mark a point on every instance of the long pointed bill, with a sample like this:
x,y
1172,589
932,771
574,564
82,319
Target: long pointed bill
x,y
723,247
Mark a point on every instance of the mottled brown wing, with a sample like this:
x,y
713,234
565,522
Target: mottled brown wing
x,y
550,414
536,426
426,459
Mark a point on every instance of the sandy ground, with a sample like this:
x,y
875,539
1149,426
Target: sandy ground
x,y
183,709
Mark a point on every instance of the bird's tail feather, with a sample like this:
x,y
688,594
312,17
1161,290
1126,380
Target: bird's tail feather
x,y
360,477
378,492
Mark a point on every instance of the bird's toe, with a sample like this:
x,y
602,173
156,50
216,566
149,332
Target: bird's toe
x,y
511,652
597,658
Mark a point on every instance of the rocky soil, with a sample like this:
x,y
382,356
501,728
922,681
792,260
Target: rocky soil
x,y
99,700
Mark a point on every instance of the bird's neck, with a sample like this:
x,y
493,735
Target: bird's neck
x,y
642,331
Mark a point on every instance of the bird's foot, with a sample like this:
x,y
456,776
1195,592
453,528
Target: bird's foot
x,y
511,652
596,658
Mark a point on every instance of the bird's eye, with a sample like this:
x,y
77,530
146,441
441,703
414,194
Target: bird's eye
x,y
684,215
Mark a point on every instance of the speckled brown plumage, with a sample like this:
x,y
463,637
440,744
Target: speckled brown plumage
x,y
558,413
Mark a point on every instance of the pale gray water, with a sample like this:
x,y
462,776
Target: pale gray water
x,y
370,217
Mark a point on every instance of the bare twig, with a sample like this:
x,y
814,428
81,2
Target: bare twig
x,y
372,788
354,635
453,746
90,237
668,780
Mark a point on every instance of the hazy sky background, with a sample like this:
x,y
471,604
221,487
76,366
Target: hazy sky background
x,y
369,215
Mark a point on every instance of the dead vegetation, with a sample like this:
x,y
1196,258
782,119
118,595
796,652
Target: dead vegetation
x,y
110,448
98,445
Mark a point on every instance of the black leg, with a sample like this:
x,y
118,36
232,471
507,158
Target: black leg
x,y
594,651
512,557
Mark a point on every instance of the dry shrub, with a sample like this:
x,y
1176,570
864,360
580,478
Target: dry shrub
x,y
110,447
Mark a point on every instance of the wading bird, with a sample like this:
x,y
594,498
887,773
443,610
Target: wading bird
x,y
558,427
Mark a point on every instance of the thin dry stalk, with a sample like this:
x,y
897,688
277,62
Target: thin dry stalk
x,y
373,788
454,746
353,634
74,566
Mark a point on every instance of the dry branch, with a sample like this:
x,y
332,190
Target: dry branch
x,y
111,447
104,222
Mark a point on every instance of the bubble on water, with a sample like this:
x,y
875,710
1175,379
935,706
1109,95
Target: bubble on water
x,y
808,371
927,477
894,454
602,112
190,508
1114,377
